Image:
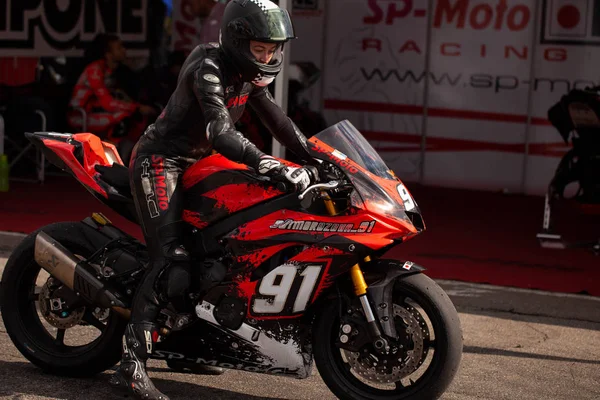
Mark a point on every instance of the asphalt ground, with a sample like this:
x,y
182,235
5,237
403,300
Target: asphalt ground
x,y
518,344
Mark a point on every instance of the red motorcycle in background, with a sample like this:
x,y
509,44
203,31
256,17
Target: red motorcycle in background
x,y
292,277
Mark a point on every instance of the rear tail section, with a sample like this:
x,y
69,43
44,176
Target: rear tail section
x,y
94,163
77,154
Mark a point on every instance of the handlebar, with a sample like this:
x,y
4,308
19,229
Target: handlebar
x,y
328,185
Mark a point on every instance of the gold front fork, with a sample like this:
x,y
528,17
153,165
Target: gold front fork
x,y
360,288
358,279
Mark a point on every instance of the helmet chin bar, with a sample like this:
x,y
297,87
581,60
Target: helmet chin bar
x,y
250,69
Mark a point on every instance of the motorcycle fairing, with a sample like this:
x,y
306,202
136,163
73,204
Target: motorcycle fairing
x,y
77,154
274,336
292,287
275,347
208,166
268,347
80,155
328,245
284,225
217,188
380,190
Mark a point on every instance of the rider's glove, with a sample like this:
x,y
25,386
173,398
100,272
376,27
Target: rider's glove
x,y
301,178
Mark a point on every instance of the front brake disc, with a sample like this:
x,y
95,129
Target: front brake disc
x,y
394,367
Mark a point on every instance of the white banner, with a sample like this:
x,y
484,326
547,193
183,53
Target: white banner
x,y
496,67
37,28
374,68
478,113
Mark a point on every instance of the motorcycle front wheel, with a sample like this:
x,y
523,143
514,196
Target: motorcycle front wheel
x,y
429,348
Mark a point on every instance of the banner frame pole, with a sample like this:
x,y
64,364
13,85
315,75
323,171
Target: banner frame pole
x,y
425,116
532,74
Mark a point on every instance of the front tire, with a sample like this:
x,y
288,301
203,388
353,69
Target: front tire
x,y
28,329
446,346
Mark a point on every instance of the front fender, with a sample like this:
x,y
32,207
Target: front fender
x,y
384,273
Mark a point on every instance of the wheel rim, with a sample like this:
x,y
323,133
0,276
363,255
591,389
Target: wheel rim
x,y
57,342
433,350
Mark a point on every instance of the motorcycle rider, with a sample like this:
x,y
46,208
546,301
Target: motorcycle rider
x,y
214,85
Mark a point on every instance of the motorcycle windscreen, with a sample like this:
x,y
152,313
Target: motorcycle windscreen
x,y
349,142
347,147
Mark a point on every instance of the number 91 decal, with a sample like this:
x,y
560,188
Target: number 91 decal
x,y
409,203
286,289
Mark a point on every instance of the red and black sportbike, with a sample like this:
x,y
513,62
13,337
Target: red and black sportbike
x,y
293,277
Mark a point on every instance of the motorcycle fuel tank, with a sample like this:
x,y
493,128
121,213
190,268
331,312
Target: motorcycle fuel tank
x,y
216,188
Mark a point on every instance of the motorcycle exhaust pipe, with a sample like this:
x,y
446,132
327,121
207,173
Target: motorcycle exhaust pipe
x,y
70,270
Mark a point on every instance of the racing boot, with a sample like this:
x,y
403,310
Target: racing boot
x,y
131,375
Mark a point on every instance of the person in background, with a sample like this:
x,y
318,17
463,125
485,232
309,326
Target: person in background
x,y
111,113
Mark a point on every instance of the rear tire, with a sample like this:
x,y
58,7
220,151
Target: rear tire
x,y
23,323
438,375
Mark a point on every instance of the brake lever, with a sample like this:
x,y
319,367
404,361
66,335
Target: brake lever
x,y
328,185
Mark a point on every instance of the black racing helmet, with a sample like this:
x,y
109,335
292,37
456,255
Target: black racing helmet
x,y
259,20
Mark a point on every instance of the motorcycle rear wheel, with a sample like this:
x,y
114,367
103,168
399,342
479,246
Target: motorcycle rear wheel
x,y
443,342
33,334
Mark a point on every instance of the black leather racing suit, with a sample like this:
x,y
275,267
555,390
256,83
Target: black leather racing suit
x,y
199,117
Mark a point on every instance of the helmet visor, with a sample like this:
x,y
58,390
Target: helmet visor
x,y
268,26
